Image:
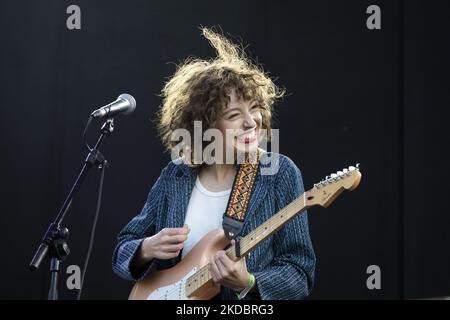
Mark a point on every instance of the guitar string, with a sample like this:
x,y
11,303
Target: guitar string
x,y
258,232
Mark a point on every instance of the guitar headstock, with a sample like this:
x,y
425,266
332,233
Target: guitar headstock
x,y
324,192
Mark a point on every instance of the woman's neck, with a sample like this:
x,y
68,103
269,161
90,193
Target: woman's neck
x,y
217,177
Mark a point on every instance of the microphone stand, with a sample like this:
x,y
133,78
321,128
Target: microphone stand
x,y
54,243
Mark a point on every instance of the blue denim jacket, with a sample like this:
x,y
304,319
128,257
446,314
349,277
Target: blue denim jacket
x,y
283,264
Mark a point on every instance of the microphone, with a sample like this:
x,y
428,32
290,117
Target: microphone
x,y
124,104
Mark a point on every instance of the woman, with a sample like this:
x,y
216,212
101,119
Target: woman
x,y
227,94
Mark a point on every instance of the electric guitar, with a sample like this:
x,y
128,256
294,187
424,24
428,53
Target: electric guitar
x,y
190,278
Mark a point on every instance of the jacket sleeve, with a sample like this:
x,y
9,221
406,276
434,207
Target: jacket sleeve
x,y
131,236
291,273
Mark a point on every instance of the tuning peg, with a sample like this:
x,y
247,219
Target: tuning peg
x,y
340,174
357,166
345,171
351,168
334,176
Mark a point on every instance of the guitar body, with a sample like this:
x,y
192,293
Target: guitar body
x,y
169,284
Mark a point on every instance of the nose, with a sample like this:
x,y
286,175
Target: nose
x,y
249,121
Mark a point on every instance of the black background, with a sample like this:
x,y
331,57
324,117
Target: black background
x,y
377,97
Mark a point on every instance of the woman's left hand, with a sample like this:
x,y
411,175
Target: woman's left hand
x,y
226,272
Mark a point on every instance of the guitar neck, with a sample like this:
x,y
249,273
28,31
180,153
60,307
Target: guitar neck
x,y
272,225
251,241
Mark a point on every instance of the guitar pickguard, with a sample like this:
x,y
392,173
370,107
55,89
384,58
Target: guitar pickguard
x,y
175,291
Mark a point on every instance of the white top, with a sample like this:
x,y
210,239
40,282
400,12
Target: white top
x,y
204,213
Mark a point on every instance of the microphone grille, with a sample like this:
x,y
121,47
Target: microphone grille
x,y
131,101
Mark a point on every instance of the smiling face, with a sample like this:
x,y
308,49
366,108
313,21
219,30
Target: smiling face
x,y
240,125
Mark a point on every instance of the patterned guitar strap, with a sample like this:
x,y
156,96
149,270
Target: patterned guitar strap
x,y
233,218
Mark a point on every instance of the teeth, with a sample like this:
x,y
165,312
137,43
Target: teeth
x,y
249,136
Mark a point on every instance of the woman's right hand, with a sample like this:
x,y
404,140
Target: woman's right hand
x,y
166,244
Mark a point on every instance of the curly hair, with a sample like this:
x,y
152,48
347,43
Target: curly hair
x,y
199,91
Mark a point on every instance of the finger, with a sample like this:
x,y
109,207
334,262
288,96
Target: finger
x,y
212,272
227,264
224,269
169,255
180,238
175,231
243,261
215,271
172,247
223,273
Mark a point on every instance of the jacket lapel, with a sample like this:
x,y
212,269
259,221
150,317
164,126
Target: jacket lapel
x,y
179,192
